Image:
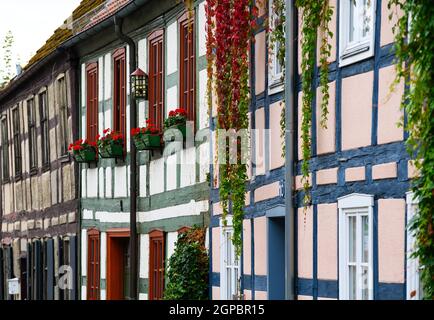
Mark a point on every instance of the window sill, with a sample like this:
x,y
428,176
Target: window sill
x,y
45,167
65,158
33,171
355,54
276,87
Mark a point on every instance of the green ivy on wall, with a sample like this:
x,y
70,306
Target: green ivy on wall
x,y
315,17
414,46
188,267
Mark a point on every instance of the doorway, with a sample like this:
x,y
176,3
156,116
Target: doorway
x,y
276,258
118,264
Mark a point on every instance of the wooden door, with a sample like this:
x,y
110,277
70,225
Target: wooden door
x,y
117,250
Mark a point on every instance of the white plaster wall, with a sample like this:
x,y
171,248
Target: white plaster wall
x,y
188,167
171,240
171,172
84,253
92,183
103,255
120,182
203,107
201,32
204,162
107,75
83,183
108,182
171,99
101,186
172,48
144,256
143,54
83,84
191,208
156,181
111,217
142,179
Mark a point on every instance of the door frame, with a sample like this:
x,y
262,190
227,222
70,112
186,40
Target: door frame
x,y
113,234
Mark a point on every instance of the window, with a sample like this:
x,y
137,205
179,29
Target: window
x,y
156,79
43,118
119,91
156,265
355,247
414,287
187,81
31,116
63,112
17,140
230,270
93,264
92,102
276,69
356,30
66,261
5,148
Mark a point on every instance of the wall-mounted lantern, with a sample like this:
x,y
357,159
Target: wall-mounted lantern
x,y
139,80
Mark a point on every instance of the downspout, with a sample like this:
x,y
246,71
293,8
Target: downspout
x,y
133,166
289,159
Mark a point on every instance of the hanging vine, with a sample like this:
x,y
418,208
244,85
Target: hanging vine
x,y
315,16
415,64
229,30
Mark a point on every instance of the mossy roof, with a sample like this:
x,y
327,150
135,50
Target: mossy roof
x,y
60,35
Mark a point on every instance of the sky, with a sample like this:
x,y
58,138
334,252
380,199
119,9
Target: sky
x,y
32,22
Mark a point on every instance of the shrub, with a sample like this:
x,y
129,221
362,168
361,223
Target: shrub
x,y
187,272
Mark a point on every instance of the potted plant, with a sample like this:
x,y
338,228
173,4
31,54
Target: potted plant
x,y
146,138
83,151
177,120
111,144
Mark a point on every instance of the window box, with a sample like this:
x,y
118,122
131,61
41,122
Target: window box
x,y
83,152
111,145
147,141
112,150
86,155
177,120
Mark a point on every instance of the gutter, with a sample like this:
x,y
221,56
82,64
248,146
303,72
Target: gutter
x,y
133,164
291,20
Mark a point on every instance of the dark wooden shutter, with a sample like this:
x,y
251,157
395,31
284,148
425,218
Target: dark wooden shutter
x,y
156,265
61,263
73,264
9,267
156,79
187,79
38,271
29,268
92,101
2,278
93,265
23,278
120,92
50,269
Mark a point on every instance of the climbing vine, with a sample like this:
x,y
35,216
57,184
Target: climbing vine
x,y
315,17
414,47
230,25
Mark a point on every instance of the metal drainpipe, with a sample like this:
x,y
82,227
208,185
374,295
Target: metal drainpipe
x,y
289,160
133,166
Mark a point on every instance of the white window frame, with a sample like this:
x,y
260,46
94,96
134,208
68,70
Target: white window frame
x,y
413,268
350,205
223,263
276,83
361,48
